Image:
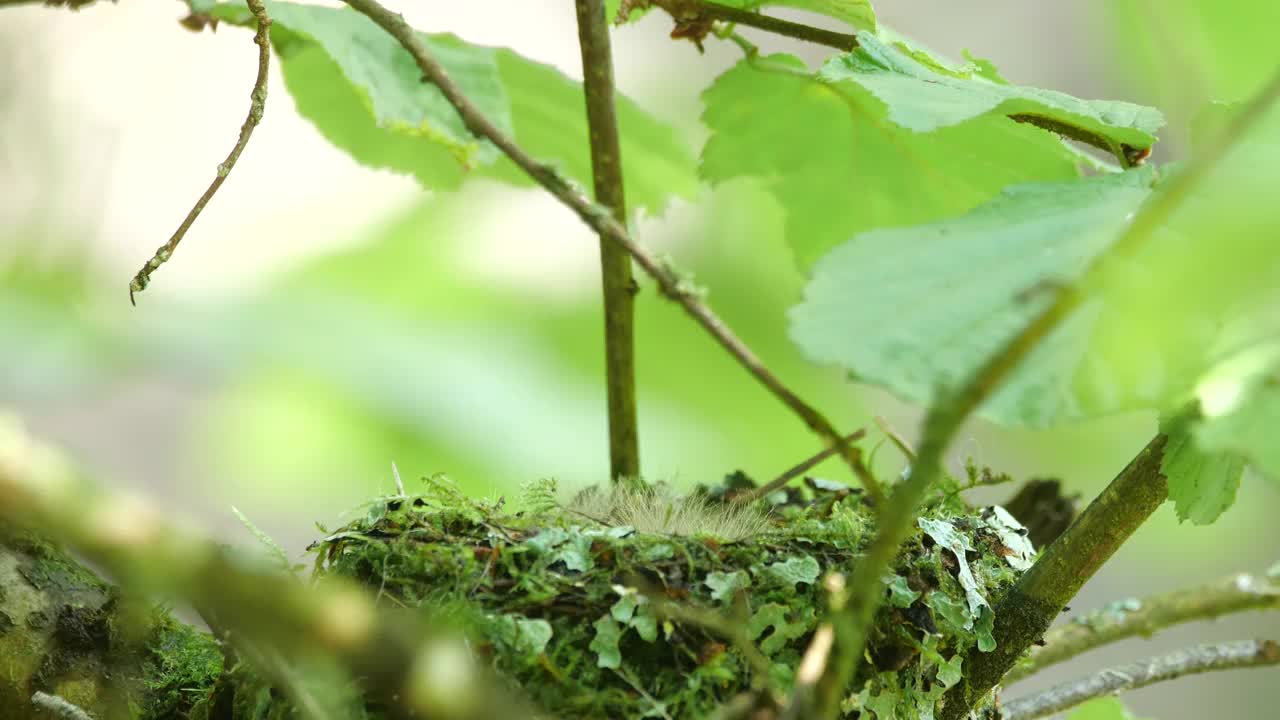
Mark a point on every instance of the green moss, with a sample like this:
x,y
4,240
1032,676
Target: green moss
x,y
561,605
181,666
69,634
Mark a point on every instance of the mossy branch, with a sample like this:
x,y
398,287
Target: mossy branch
x,y
416,670
1026,610
1029,607
602,221
257,105
1144,617
618,286
1193,661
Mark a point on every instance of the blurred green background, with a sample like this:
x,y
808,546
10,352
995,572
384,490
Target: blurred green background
x,y
324,320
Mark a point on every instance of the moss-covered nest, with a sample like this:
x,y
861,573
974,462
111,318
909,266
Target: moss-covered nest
x,y
573,602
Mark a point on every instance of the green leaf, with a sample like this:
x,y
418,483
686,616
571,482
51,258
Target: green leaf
x,y
838,167
1108,708
949,672
1202,485
904,309
792,571
549,114
605,643
773,615
631,611
952,611
984,629
388,82
365,94
1192,310
645,625
1222,51
857,13
526,636
571,547
1250,430
900,594
921,98
724,585
625,608
883,705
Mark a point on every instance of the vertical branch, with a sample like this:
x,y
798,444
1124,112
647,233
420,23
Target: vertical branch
x,y
600,220
615,265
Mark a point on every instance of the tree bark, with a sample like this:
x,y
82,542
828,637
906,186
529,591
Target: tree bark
x,y
66,633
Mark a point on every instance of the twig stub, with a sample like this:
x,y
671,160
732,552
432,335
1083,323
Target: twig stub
x,y
257,105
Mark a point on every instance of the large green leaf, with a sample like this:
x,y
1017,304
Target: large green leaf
x,y
385,80
1191,307
916,309
924,95
365,95
1251,429
1202,485
1186,52
1199,301
837,166
857,13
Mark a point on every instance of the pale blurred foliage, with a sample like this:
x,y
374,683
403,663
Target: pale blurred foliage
x,y
112,120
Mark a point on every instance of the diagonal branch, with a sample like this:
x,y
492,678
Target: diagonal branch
x,y
1027,609
700,14
1145,617
602,221
951,410
1192,661
257,105
1047,586
615,265
796,470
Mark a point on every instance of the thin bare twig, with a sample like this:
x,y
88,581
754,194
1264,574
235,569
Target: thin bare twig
x,y
896,438
1192,661
601,220
257,105
797,470
1239,593
615,265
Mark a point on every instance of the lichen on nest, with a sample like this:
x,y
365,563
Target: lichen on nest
x,y
566,599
